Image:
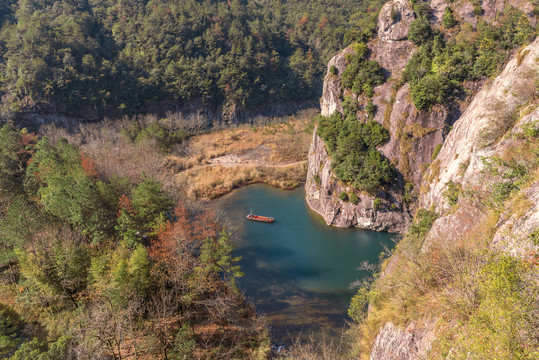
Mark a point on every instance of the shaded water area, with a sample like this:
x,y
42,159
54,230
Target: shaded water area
x,y
297,270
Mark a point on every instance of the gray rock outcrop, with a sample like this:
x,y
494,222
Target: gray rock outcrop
x,y
323,191
332,89
394,343
394,20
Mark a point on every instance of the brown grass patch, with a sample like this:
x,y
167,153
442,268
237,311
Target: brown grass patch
x,y
210,182
288,141
210,165
280,141
418,131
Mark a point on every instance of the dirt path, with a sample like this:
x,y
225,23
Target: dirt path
x,y
231,161
258,156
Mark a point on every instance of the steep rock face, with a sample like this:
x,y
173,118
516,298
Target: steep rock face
x,y
398,344
394,20
460,158
322,197
466,145
414,134
391,50
332,90
391,55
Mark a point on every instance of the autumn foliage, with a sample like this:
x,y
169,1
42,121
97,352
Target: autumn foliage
x,y
143,277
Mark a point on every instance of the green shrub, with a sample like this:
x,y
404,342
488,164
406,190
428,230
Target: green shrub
x,y
370,109
452,192
432,90
423,221
420,31
534,237
421,9
408,192
354,199
376,204
164,137
358,305
10,337
343,196
530,130
362,75
317,179
489,58
448,19
436,151
333,70
184,343
352,146
418,66
535,10
477,10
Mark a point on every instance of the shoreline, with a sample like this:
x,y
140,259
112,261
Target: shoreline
x,y
281,176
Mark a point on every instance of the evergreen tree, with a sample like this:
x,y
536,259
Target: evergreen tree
x,y
150,203
139,268
448,19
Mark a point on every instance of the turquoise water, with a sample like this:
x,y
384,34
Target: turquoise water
x,y
298,271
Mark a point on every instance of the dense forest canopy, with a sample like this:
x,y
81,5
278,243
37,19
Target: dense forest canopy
x,y
91,56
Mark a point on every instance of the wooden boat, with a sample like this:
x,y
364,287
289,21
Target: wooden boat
x,y
265,219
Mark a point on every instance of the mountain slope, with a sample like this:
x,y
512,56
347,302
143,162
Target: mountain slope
x,y
461,110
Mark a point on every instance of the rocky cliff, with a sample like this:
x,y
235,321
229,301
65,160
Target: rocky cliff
x,y
484,139
414,134
462,161
489,128
322,196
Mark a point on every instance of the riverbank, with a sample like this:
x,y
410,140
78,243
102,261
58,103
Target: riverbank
x,y
215,163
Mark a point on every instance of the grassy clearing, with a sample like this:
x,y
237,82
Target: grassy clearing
x,y
211,182
210,165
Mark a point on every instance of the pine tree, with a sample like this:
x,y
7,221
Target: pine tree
x,y
139,268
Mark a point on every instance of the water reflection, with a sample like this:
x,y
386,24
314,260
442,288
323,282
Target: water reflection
x,y
297,270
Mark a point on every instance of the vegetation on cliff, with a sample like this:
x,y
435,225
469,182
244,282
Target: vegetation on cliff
x,y
352,146
480,287
362,75
444,61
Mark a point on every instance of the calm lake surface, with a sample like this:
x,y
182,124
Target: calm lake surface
x,y
297,270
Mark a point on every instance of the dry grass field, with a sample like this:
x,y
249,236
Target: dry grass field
x,y
213,164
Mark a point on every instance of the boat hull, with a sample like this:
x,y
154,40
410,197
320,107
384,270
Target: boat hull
x,y
259,218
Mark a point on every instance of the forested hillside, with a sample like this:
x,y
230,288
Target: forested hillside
x,y
96,266
94,57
